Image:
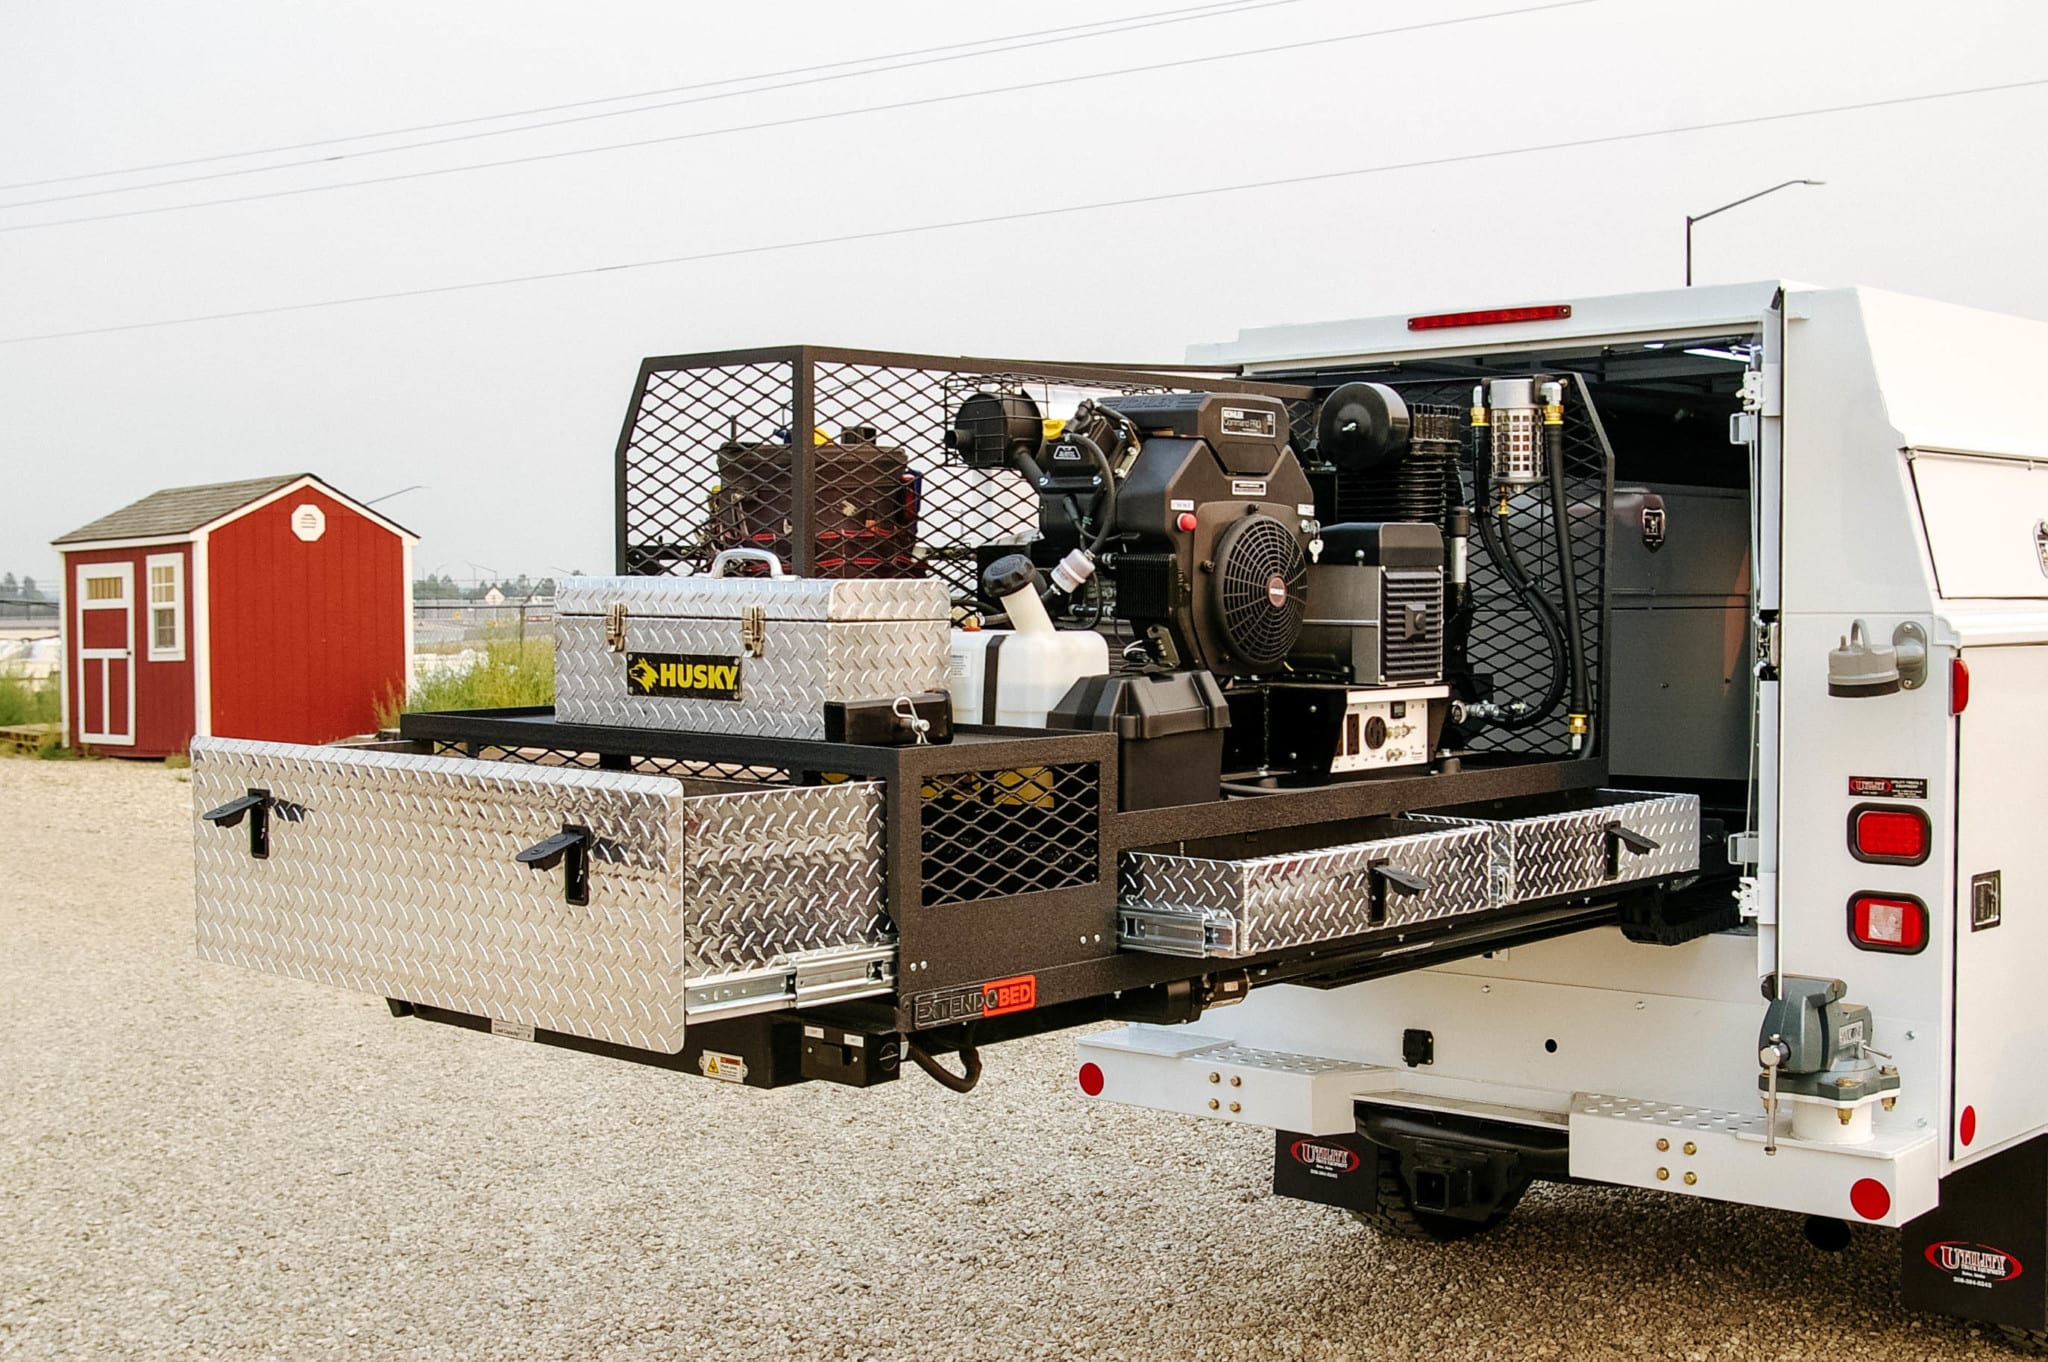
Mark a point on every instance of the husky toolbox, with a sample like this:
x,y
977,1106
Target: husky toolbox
x,y
760,656
597,903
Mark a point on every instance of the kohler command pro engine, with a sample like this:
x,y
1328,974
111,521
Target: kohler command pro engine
x,y
1214,519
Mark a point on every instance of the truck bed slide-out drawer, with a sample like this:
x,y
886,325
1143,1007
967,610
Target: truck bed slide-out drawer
x,y
400,875
1556,845
1385,873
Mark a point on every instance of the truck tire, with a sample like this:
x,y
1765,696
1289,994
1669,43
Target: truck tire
x,y
1395,1216
2026,1342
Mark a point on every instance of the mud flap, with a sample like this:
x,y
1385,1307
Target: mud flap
x,y
1982,1254
1331,1170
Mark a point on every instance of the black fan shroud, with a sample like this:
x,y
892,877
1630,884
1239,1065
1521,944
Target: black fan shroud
x,y
1260,587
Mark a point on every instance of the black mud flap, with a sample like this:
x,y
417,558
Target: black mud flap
x,y
1331,1170
1982,1254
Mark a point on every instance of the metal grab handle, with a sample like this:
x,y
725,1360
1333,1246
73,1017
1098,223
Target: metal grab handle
x,y
724,556
1384,878
257,806
569,848
1619,837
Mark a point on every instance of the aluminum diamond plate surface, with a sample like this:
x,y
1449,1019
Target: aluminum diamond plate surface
x,y
782,692
1550,854
399,880
788,598
1296,899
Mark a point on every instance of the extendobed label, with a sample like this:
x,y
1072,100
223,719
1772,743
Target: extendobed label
x,y
1968,1264
1019,993
683,676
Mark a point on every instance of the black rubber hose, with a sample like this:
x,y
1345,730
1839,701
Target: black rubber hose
x,y
964,1081
1105,518
1560,519
1501,551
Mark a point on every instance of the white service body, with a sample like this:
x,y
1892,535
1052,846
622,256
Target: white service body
x,y
1898,474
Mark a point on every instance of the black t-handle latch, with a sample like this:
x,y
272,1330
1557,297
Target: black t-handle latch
x,y
255,805
1385,879
1619,837
570,849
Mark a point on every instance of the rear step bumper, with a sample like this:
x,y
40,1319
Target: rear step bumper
x,y
1660,1146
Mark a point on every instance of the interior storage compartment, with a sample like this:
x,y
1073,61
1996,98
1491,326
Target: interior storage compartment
x,y
596,903
1248,895
1548,846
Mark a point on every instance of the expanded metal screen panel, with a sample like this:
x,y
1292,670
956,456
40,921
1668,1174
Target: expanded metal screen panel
x,y
993,834
837,461
1506,640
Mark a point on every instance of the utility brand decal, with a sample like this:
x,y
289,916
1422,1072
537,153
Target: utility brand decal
x,y
1324,1160
1968,1264
1018,993
1888,787
683,676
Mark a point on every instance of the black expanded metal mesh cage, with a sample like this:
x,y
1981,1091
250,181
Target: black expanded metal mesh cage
x,y
836,460
995,834
1506,642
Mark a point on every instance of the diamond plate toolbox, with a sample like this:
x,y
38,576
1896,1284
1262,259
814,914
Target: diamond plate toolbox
x,y
1601,838
1192,905
395,875
654,652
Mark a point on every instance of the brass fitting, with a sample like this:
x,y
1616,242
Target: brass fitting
x,y
1845,1114
1553,414
1578,725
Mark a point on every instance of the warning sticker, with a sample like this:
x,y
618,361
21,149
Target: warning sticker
x,y
1888,787
724,1068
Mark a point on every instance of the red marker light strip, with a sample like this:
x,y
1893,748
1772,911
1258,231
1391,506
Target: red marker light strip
x,y
1492,316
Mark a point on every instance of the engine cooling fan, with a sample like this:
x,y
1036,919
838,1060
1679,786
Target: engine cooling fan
x,y
1261,581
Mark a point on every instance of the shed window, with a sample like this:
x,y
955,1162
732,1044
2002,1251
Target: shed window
x,y
166,608
103,588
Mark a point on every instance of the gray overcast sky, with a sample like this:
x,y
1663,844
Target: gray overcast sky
x,y
506,401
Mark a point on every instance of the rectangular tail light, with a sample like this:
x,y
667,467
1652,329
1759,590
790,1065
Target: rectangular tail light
x,y
1491,316
1896,923
1889,834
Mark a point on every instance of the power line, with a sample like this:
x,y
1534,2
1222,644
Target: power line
x,y
878,234
1110,27
795,119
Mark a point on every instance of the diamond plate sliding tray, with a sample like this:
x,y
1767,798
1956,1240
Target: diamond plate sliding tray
x,y
1192,905
395,875
1541,850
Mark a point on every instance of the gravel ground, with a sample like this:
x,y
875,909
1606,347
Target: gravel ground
x,y
201,1162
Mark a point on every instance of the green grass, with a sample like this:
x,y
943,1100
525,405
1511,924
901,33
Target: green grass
x,y
27,702
510,674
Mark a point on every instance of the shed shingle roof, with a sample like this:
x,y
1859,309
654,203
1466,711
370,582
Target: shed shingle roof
x,y
177,510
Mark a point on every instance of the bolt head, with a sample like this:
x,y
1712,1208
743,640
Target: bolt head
x,y
1213,1104
1691,1179
1663,1145
1691,1148
1215,1078
1663,1175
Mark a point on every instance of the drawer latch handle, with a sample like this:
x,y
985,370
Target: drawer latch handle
x,y
1384,879
1619,837
257,806
570,849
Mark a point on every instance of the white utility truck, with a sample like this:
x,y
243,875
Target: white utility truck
x,y
1595,740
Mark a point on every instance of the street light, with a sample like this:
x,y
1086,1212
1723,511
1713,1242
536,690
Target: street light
x,y
1702,217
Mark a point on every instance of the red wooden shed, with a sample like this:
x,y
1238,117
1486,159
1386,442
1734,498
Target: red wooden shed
x,y
272,608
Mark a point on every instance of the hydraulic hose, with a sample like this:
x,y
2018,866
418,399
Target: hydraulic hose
x,y
1493,532
1560,519
964,1081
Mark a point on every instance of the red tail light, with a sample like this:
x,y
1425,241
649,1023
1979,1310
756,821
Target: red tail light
x,y
1887,834
1888,922
1958,686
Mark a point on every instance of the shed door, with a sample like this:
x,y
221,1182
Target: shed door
x,y
106,654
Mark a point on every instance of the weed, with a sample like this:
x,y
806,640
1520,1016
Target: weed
x,y
508,674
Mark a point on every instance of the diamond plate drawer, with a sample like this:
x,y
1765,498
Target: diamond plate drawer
x,y
395,874
1551,845
1173,904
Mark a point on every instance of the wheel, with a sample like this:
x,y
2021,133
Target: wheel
x,y
1395,1216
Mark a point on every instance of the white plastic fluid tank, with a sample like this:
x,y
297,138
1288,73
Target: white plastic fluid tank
x,y
1011,677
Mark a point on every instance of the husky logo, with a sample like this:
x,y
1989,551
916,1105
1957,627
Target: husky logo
x,y
1969,1264
2041,544
1324,1160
